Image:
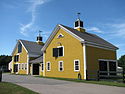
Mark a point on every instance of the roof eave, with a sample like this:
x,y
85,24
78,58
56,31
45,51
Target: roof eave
x,y
99,45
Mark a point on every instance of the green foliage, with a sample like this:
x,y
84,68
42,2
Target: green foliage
x,y
5,59
9,88
121,61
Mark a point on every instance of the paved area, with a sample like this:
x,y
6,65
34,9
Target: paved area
x,y
52,86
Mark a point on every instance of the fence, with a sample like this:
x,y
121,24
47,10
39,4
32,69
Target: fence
x,y
98,75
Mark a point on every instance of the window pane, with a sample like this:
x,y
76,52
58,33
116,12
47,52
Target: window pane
x,y
48,67
76,24
55,52
60,66
77,65
103,67
112,67
81,24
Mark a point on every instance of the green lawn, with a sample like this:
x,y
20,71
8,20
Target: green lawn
x,y
9,88
106,82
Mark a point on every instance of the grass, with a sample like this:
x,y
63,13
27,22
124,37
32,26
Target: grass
x,y
9,88
109,83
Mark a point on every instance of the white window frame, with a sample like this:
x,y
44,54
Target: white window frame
x,y
63,50
19,66
60,67
108,60
25,66
78,64
47,66
42,65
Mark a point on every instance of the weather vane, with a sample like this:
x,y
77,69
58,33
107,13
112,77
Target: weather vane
x,y
40,32
78,14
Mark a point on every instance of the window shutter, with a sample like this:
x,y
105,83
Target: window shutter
x,y
14,58
55,52
60,51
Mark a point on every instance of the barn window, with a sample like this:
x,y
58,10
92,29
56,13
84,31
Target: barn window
x,y
16,58
76,65
58,52
107,66
48,66
60,36
60,66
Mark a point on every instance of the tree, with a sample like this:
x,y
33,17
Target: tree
x,y
121,61
5,60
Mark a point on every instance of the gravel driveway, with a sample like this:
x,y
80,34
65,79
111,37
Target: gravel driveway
x,y
52,86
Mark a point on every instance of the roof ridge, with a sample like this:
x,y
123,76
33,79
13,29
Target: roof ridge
x,y
27,40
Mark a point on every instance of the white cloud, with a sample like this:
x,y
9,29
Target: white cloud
x,y
32,8
119,29
94,29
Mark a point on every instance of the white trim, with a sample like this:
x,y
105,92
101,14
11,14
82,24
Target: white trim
x,y
84,58
31,70
74,35
55,32
61,36
107,60
98,45
47,66
59,66
108,67
28,64
17,47
78,65
50,37
63,50
18,68
44,64
23,46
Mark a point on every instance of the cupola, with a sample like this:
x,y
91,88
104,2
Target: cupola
x,y
79,24
39,39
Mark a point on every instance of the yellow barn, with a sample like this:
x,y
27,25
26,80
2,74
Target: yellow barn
x,y
23,55
75,53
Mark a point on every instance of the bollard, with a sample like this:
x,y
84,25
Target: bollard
x,y
0,76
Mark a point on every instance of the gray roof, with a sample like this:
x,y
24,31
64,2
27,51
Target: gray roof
x,y
91,37
32,47
37,60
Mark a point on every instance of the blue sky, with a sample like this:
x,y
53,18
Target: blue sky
x,y
22,19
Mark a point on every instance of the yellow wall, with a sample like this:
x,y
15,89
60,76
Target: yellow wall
x,y
92,56
22,59
73,49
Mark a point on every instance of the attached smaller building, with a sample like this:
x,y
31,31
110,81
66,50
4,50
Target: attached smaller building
x,y
24,52
75,53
